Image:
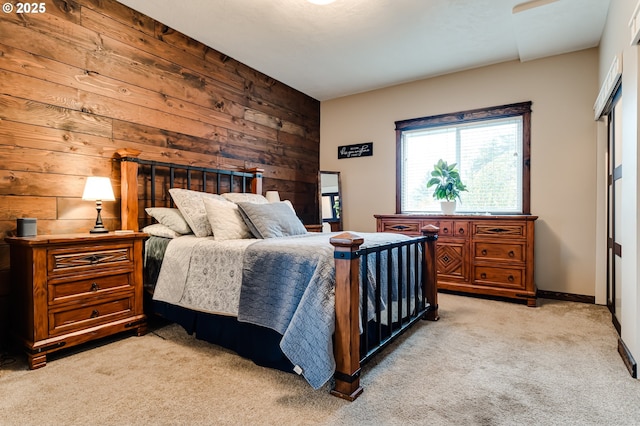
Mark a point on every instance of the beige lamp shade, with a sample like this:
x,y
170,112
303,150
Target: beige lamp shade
x,y
98,188
272,196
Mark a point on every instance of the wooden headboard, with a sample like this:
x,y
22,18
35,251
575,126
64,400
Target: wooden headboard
x,y
140,179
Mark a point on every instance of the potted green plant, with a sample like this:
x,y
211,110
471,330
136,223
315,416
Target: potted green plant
x,y
448,186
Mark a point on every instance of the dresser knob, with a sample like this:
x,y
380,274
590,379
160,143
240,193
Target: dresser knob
x,y
461,231
445,230
510,278
95,313
95,287
484,252
483,275
511,253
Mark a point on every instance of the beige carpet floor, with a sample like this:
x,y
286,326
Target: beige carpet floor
x,y
484,363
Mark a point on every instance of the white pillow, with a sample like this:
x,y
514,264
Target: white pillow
x,y
245,197
287,202
169,217
192,208
225,220
160,230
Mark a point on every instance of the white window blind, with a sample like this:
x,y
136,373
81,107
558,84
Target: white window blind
x,y
489,157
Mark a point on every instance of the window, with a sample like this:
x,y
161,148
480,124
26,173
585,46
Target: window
x,y
491,147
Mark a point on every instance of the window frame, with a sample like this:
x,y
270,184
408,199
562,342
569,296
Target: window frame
x,y
481,114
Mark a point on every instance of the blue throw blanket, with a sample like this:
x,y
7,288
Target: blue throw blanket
x,y
288,285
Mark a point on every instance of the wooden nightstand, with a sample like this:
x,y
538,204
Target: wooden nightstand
x,y
70,289
314,227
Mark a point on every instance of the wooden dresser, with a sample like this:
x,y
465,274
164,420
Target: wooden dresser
x,y
73,288
483,254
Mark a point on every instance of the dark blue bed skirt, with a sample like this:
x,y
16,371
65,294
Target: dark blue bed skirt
x,y
259,344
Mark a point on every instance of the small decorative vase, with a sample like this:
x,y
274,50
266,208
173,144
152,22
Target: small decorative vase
x,y
448,207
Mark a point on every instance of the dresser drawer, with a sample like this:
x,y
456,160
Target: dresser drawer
x,y
446,227
89,315
450,228
460,229
503,277
500,230
407,227
65,291
510,252
81,258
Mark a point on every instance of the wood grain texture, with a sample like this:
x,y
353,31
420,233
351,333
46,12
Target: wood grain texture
x,y
91,76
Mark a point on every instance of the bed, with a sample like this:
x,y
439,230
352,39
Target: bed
x,y
341,298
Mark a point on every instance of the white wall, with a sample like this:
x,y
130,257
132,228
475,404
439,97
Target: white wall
x,y
615,40
563,144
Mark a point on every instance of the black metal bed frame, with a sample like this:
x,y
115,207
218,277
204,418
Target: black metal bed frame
x,y
376,335
219,174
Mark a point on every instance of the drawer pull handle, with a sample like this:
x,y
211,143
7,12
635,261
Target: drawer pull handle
x,y
461,231
510,278
511,253
95,313
498,230
95,287
484,252
94,258
445,230
483,275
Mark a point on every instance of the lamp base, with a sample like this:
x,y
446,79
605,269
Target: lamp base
x,y
97,230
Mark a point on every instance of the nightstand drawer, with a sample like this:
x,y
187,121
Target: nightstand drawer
x,y
60,292
81,258
85,316
498,251
503,277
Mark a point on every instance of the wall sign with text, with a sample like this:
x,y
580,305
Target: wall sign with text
x,y
356,150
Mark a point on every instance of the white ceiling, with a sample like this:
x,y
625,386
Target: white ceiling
x,y
352,46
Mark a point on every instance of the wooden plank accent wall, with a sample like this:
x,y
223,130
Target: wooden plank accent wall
x,y
88,77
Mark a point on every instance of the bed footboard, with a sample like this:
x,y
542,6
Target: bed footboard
x,y
350,348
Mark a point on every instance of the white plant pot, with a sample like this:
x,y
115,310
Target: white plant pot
x,y
448,207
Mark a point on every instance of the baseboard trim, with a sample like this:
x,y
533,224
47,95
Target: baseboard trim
x,y
627,358
567,297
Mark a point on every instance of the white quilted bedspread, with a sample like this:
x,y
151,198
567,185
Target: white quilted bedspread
x,y
202,274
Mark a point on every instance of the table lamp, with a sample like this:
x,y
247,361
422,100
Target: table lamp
x,y
98,189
